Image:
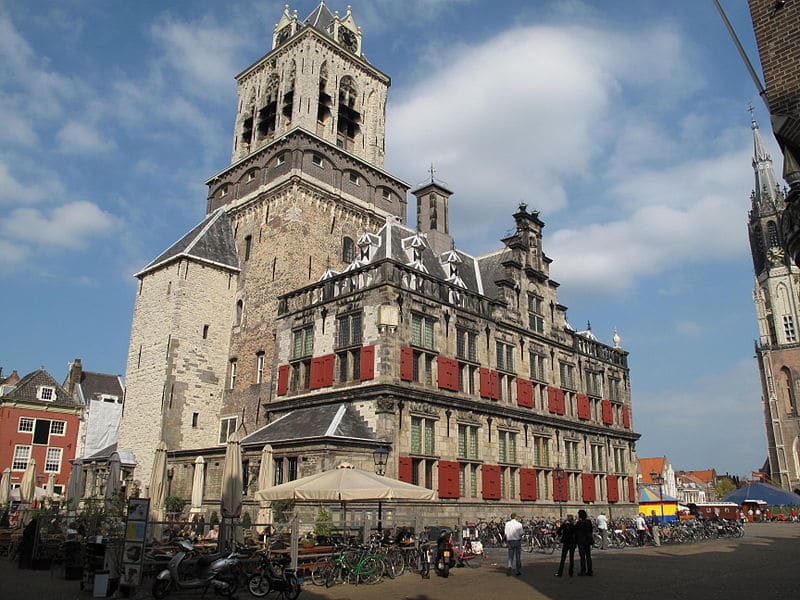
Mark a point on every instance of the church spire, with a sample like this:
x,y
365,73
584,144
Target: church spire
x,y
765,194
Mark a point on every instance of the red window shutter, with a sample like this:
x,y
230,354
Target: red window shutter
x,y
608,416
328,366
448,373
367,363
626,417
562,403
283,380
528,489
583,406
552,399
611,486
485,386
494,385
405,469
315,378
490,474
587,483
448,479
631,490
406,363
524,393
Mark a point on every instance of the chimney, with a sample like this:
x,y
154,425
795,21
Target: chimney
x,y
74,378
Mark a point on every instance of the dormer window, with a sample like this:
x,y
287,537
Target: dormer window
x,y
354,178
223,192
387,195
317,160
280,160
251,175
46,393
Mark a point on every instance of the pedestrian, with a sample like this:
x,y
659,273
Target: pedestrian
x,y
584,539
654,528
513,533
602,526
566,534
641,528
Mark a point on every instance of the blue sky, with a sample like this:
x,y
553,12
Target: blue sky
x,y
623,122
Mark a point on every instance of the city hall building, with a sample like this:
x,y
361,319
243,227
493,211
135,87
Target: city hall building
x,y
306,313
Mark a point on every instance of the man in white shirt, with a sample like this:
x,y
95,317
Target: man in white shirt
x,y
641,528
514,540
602,525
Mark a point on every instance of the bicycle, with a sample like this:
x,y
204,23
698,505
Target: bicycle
x,y
274,575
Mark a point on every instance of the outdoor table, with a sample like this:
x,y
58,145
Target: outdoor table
x,y
308,558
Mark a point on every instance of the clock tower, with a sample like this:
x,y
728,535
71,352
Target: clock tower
x,y
777,301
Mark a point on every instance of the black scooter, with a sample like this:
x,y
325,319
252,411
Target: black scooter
x,y
217,572
445,557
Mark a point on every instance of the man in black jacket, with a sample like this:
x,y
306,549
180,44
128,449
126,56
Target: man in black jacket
x,y
566,533
584,539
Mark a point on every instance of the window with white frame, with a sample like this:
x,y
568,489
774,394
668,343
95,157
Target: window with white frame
x,y
567,372
507,446
594,383
302,342
259,367
22,454
226,427
505,357
423,439
422,331
508,483
466,345
541,451
535,314
571,452
614,393
788,328
598,457
25,425
52,460
468,480
537,365
46,393
233,374
58,427
468,441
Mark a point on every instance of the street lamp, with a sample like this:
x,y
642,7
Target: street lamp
x,y
379,457
658,479
558,473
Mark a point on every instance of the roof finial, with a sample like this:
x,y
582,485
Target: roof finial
x,y
432,171
751,110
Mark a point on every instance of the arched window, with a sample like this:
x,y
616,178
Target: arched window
x,y
348,118
348,250
772,234
239,311
788,385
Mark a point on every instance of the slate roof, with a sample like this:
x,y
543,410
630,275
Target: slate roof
x,y
210,241
333,421
26,390
95,385
320,19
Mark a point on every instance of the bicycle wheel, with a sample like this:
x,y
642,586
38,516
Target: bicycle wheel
x,y
332,574
473,561
319,574
258,585
395,557
370,571
291,589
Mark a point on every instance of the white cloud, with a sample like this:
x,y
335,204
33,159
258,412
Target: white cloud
x,y
81,138
71,225
36,186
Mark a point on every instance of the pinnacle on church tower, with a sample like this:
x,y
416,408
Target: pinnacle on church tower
x,y
766,191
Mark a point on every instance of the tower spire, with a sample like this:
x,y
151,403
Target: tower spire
x,y
765,194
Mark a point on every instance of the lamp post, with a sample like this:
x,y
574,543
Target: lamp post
x,y
658,479
379,457
558,473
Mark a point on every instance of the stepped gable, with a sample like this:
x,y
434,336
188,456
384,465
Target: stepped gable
x,y
211,241
340,421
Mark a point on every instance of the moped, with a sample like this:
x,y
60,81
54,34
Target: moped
x,y
445,557
189,570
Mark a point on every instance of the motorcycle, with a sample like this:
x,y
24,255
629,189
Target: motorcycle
x,y
445,556
189,570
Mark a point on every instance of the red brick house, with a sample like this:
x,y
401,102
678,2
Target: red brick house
x,y
38,420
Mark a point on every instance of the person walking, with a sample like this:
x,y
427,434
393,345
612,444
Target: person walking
x,y
654,528
513,533
566,534
584,539
641,528
602,526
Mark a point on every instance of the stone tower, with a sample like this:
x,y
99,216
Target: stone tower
x,y
306,178
776,294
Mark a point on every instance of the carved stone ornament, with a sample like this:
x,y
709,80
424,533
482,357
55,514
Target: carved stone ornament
x,y
384,405
467,416
423,408
541,429
506,423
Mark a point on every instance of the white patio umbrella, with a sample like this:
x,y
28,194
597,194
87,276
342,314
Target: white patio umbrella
x,y
266,477
113,483
5,487
27,488
75,486
231,497
50,486
158,481
345,484
198,481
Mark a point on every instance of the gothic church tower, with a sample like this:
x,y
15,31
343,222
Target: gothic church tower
x,y
306,179
777,301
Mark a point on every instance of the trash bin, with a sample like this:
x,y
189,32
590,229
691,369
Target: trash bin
x,y
100,589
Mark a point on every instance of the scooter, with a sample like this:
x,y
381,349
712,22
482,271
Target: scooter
x,y
445,557
215,572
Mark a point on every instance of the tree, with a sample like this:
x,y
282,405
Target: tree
x,y
723,487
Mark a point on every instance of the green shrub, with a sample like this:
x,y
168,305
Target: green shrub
x,y
214,519
322,526
173,504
